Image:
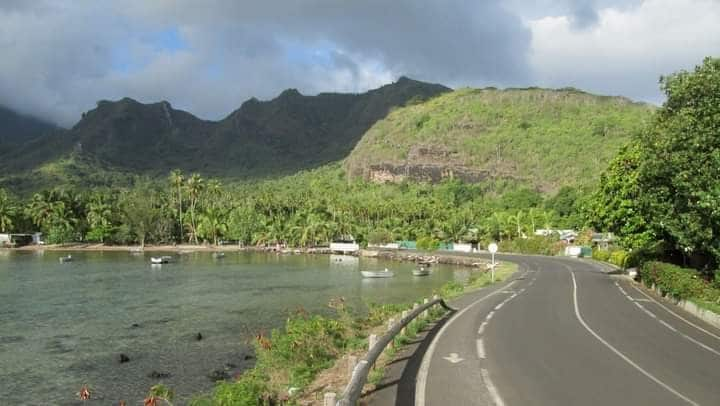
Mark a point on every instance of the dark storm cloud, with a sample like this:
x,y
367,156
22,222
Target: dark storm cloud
x,y
62,57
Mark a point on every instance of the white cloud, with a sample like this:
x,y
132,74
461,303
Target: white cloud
x,y
627,50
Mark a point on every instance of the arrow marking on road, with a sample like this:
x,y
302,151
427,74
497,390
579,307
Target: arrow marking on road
x,y
454,358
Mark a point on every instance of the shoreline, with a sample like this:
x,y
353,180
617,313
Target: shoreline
x,y
439,257
160,248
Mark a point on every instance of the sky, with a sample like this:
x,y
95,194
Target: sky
x,y
58,58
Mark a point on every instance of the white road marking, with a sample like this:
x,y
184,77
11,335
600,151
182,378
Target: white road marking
x,y
481,330
620,354
480,349
671,328
421,383
490,315
675,314
498,307
454,358
664,323
712,350
491,388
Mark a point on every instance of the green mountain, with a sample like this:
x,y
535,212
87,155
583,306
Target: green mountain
x,y
262,138
16,129
539,137
407,130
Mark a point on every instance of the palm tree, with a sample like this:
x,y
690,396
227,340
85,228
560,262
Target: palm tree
x,y
7,211
517,220
176,180
213,223
98,217
195,186
39,210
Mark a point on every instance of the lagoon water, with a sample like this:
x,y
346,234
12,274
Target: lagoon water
x,y
64,325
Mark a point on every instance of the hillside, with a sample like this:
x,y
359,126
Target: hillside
x,y
17,129
262,138
539,137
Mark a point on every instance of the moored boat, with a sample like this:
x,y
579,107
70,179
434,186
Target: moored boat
x,y
378,274
67,258
161,260
218,255
421,272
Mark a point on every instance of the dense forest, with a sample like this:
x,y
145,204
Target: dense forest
x,y
307,209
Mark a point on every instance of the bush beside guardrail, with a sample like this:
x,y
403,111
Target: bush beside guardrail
x,y
680,283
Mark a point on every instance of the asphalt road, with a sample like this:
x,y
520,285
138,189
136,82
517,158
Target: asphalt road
x,y
563,332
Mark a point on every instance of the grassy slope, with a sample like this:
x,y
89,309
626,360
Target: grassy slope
x,y
548,138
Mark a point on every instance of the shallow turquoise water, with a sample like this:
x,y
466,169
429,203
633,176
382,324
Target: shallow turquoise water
x,y
64,325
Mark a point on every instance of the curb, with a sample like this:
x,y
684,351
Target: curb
x,y
707,316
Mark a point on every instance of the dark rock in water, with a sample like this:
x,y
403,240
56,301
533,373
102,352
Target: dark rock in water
x,y
135,325
199,336
158,375
248,357
11,339
218,375
124,358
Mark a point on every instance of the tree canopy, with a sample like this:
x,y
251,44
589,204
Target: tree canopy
x,y
665,186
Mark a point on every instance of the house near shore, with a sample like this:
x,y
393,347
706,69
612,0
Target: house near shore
x,y
18,240
567,236
345,244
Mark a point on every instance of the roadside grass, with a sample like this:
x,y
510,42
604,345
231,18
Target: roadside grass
x,y
711,306
478,279
682,284
309,356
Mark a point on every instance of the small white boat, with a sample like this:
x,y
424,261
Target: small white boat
x,y
377,274
218,255
161,260
67,258
421,272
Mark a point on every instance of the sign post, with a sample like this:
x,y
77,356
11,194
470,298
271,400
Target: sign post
x,y
493,249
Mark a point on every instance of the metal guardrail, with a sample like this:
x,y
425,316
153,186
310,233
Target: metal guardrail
x,y
360,373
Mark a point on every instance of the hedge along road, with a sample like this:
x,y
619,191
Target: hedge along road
x,y
564,332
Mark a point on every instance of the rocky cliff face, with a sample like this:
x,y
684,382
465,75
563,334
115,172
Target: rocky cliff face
x,y
546,138
425,164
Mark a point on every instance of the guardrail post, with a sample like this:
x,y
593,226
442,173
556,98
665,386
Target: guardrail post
x,y
329,399
372,340
352,362
426,312
391,324
404,329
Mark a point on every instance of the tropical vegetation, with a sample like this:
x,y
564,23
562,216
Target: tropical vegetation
x,y
304,210
661,195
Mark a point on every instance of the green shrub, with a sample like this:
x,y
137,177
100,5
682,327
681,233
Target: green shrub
x,y
681,283
308,345
451,289
428,243
536,245
378,313
600,254
380,237
249,390
619,258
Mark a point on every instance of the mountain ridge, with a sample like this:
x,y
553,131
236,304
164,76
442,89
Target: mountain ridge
x,y
283,135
